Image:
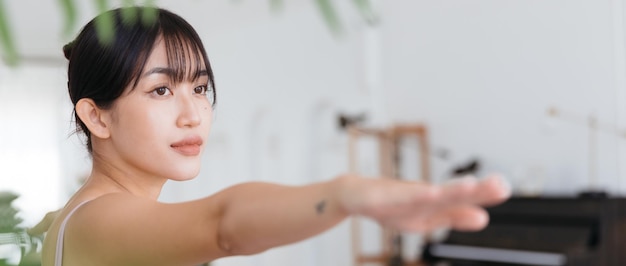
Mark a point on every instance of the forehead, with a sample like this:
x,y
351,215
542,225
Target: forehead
x,y
181,56
158,57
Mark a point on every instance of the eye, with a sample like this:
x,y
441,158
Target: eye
x,y
201,89
162,91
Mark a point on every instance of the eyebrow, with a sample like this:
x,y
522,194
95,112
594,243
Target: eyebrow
x,y
159,70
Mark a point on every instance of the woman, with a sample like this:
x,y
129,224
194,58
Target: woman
x,y
145,102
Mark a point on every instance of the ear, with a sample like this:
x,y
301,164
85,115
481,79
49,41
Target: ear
x,y
96,119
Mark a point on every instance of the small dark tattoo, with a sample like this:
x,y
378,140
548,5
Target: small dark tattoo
x,y
320,207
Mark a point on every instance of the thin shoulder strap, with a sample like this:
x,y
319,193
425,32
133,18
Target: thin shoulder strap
x,y
58,259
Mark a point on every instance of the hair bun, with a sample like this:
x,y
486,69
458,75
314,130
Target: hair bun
x,y
67,50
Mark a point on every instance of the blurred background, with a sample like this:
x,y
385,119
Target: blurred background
x,y
534,90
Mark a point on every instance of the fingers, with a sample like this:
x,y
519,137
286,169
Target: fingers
x,y
386,197
496,190
458,204
488,191
391,198
467,218
458,217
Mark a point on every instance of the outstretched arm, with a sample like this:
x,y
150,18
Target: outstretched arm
x,y
258,216
249,218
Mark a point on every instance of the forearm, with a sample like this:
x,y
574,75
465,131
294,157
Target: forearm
x,y
259,216
254,217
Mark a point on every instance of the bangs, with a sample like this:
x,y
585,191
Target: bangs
x,y
184,58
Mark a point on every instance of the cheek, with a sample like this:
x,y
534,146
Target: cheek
x,y
141,122
207,117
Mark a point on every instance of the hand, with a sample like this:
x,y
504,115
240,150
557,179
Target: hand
x,y
421,207
42,227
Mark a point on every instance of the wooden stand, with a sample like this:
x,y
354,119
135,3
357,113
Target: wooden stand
x,y
389,163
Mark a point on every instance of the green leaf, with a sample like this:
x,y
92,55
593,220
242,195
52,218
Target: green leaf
x,y
9,220
6,38
149,13
367,11
68,7
104,23
277,5
129,15
330,16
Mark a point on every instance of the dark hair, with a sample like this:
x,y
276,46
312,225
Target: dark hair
x,y
101,70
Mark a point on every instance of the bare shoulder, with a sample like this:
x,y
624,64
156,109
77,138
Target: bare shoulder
x,y
60,216
120,228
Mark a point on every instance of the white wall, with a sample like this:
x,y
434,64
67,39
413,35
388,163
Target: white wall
x,y
30,139
483,73
480,73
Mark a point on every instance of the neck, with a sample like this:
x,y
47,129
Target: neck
x,y
110,177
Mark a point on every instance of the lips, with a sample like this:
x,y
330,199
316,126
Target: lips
x,y
189,146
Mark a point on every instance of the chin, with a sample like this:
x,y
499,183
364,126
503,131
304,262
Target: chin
x,y
184,174
181,179
184,170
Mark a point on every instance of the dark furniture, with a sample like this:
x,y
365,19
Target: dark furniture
x,y
541,231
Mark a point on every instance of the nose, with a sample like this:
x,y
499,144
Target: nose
x,y
189,114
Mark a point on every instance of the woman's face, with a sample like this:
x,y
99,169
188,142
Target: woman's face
x,y
161,126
